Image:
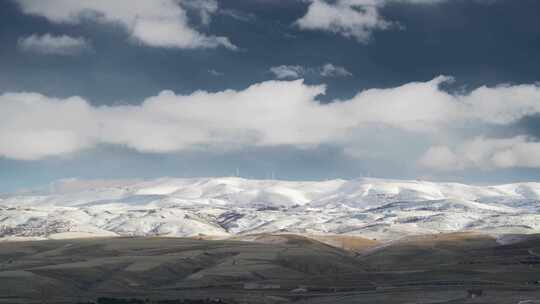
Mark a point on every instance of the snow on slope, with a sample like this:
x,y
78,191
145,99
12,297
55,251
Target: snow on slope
x,y
375,208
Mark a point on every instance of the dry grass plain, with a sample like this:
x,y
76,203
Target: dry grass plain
x,y
273,269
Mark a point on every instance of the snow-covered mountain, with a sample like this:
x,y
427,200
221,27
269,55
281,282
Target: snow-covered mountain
x,y
221,207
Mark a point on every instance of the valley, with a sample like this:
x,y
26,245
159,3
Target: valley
x,y
443,268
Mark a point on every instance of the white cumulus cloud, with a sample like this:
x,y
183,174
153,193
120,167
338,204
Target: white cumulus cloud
x,y
55,45
355,19
350,18
158,23
297,71
282,113
330,70
487,153
288,71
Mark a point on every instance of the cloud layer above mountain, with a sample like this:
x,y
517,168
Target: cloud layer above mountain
x,y
281,113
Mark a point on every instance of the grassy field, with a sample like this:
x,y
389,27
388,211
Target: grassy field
x,y
273,269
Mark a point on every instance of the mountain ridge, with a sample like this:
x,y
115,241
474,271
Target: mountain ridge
x,y
229,206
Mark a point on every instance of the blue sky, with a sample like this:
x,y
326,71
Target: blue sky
x,y
304,89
